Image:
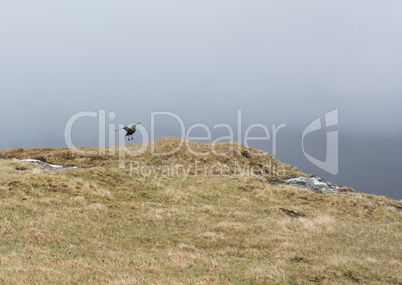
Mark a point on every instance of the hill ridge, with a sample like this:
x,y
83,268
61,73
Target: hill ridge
x,y
103,223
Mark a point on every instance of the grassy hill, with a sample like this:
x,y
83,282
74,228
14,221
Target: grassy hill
x,y
185,219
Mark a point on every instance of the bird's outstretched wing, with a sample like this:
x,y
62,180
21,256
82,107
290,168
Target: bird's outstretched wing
x,y
133,126
127,128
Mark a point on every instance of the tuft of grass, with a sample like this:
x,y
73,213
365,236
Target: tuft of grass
x,y
102,224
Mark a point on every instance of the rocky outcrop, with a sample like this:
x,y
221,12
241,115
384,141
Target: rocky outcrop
x,y
314,183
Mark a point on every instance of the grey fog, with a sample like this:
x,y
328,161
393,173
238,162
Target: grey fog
x,y
279,62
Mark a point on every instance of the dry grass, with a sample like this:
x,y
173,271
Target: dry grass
x,y
101,225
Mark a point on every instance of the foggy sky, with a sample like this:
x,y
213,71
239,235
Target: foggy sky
x,y
278,61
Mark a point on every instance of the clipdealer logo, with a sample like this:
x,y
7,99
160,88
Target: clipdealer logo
x,y
330,164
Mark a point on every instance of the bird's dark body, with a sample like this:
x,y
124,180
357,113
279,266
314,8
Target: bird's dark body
x,y
130,131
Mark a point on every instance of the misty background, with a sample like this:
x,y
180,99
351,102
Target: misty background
x,y
279,62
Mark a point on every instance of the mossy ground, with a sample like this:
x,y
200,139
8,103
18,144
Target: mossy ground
x,y
105,224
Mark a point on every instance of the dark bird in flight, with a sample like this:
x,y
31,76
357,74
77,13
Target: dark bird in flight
x,y
130,131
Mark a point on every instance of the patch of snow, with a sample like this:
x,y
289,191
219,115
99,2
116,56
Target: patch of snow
x,y
48,165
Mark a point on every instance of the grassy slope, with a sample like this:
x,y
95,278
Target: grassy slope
x,y
99,224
